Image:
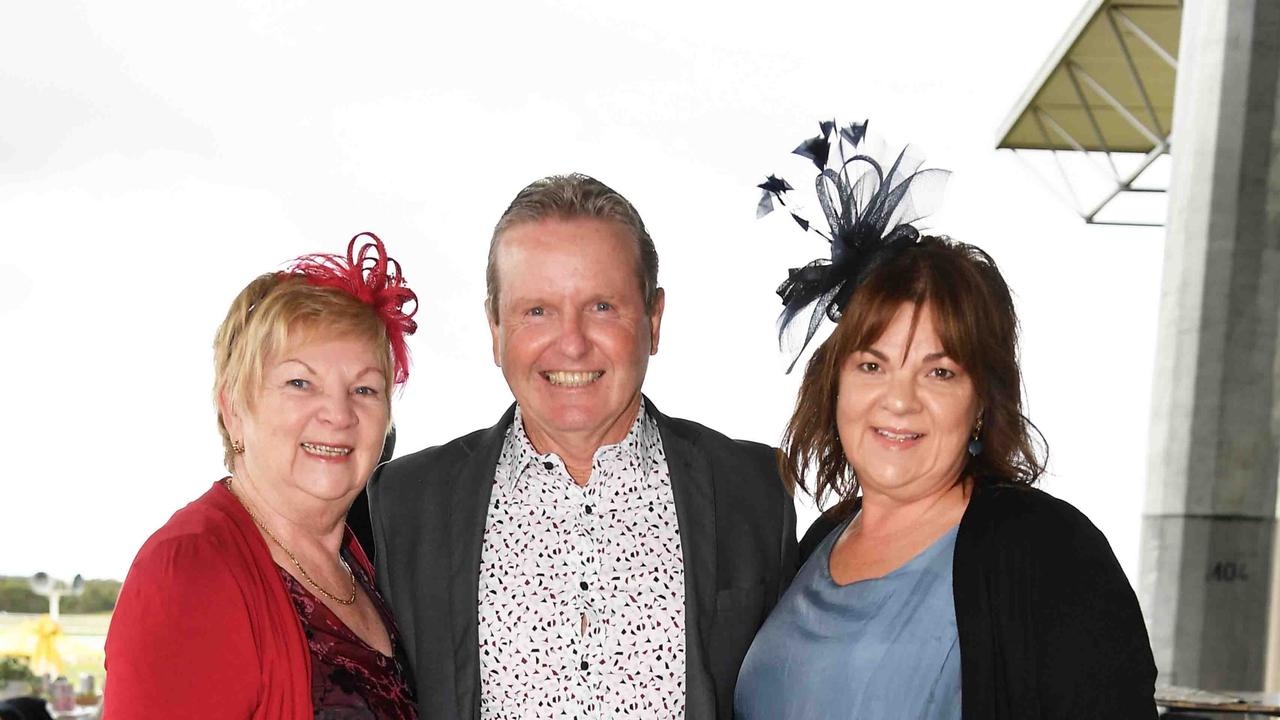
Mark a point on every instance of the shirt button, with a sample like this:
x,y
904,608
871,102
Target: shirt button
x,y
549,465
584,665
583,584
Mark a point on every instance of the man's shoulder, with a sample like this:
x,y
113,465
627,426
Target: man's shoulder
x,y
743,459
420,474
750,496
699,434
429,460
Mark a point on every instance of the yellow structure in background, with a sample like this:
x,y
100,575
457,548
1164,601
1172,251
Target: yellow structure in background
x,y
1105,92
46,647
1108,87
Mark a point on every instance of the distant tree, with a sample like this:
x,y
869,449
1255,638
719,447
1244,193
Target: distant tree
x,y
16,596
98,596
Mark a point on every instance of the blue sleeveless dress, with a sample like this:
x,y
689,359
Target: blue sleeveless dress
x,y
878,649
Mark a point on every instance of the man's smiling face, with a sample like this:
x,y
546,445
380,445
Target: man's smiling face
x,y
572,333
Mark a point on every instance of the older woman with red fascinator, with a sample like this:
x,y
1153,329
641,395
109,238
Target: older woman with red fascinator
x,y
256,601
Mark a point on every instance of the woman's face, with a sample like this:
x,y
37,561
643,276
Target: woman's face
x,y
906,410
317,424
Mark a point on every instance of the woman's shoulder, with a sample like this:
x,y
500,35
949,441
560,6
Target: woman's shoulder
x,y
202,530
1010,516
1004,500
188,632
1021,516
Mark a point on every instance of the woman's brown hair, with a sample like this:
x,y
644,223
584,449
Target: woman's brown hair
x,y
975,319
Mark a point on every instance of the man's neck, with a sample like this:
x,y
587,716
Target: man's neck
x,y
577,450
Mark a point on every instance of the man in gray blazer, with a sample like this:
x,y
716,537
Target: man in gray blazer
x,y
587,556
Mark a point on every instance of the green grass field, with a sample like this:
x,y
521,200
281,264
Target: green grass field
x,y
90,630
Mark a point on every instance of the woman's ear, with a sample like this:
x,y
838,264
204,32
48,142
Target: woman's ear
x,y
230,415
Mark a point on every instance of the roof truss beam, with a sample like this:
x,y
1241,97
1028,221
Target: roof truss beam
x,y
1115,104
1134,75
1142,35
1105,98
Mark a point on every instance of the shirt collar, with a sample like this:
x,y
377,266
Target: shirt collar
x,y
518,450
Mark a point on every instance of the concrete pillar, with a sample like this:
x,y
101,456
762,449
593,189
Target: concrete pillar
x,y
1208,532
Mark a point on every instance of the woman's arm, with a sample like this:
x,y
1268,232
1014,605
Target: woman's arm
x,y
1094,658
180,643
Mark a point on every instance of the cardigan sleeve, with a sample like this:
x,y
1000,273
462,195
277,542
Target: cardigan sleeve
x,y
1093,657
180,643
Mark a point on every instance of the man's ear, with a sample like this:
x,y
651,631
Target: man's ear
x,y
655,320
491,313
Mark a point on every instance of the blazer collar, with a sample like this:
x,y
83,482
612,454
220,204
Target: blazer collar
x,y
693,485
469,494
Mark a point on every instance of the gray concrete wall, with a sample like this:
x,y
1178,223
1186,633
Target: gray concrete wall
x,y
1210,513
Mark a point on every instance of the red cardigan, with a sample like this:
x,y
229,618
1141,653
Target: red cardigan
x,y
204,627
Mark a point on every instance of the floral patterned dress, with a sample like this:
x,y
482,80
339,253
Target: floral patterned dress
x,y
349,679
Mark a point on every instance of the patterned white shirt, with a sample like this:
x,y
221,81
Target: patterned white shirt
x,y
558,556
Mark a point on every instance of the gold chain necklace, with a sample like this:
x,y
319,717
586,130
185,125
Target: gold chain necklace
x,y
306,576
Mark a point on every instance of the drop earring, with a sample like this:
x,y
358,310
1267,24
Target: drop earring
x,y
975,443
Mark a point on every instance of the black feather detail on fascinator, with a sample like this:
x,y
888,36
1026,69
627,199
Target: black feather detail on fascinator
x,y
870,213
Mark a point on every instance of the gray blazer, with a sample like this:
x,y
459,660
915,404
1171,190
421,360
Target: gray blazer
x,y
737,530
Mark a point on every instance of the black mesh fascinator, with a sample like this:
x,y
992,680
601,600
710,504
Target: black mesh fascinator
x,y
870,213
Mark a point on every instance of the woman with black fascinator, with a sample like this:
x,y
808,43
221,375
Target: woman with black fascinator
x,y
940,584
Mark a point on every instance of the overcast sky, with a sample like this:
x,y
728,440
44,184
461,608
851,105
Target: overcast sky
x,y
156,156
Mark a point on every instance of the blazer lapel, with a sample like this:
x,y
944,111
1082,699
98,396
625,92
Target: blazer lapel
x,y
693,487
470,491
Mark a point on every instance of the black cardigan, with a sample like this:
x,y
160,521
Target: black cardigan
x,y
1049,626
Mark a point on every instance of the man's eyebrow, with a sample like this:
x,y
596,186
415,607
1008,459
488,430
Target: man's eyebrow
x,y
524,299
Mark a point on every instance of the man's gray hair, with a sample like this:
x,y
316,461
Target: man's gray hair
x,y
568,197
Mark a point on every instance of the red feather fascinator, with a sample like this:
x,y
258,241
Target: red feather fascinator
x,y
373,278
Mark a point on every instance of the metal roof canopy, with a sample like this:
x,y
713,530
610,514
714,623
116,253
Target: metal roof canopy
x,y
1107,89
